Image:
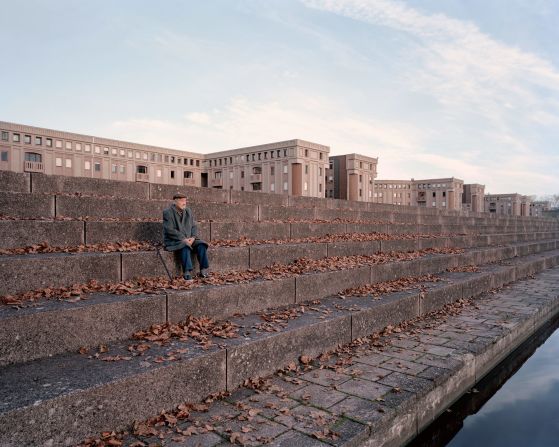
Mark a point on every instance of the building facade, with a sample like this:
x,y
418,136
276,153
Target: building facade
x,y
507,204
293,167
393,192
538,208
351,177
472,198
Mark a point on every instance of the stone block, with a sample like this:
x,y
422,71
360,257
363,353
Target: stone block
x,y
30,272
258,198
272,351
437,295
23,233
227,300
477,284
15,204
15,181
437,263
353,248
367,228
313,286
103,232
284,213
440,242
375,315
193,193
59,184
394,270
399,245
96,207
55,327
266,255
303,230
225,212
260,231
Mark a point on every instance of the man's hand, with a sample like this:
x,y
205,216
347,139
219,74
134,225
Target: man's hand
x,y
189,241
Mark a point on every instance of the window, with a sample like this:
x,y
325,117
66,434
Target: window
x,y
87,148
285,186
38,141
320,155
97,167
78,146
122,169
48,142
444,193
97,150
58,162
145,156
444,203
27,139
285,169
113,169
105,151
306,152
4,156
285,152
272,187
5,136
172,174
242,174
320,187
306,169
122,153
68,145
197,162
278,153
188,174
272,170
434,194
142,169
130,155
87,165
434,203
306,186
68,163
231,175
113,151
158,173
166,157
320,171
15,138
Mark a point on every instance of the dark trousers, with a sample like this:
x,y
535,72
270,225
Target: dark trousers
x,y
201,254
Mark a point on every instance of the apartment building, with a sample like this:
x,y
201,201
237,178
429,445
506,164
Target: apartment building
x,y
512,204
293,167
538,208
351,177
393,192
472,198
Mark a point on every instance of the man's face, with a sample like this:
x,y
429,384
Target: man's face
x,y
180,203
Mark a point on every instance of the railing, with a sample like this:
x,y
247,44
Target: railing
x,y
189,181
216,182
33,166
140,177
255,178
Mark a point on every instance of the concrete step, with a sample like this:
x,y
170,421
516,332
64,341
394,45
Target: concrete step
x,y
52,402
52,327
21,233
33,205
34,271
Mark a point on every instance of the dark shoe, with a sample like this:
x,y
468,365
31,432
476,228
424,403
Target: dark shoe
x,y
187,276
203,273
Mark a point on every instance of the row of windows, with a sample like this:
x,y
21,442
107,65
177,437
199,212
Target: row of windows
x,y
429,185
87,147
392,186
239,158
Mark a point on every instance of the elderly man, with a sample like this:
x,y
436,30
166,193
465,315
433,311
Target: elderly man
x,y
180,233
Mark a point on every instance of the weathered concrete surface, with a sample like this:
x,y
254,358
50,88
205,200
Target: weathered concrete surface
x,y
224,301
193,193
55,410
261,231
411,378
258,198
51,184
29,272
266,255
24,233
55,327
15,181
318,285
23,205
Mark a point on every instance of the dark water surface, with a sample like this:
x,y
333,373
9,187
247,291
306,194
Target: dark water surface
x,y
516,405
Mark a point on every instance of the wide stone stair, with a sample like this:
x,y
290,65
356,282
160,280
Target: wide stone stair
x,y
94,336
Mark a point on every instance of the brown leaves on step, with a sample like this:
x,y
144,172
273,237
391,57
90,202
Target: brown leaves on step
x,y
199,329
111,247
397,285
276,271
465,268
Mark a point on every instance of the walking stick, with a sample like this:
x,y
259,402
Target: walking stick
x,y
158,249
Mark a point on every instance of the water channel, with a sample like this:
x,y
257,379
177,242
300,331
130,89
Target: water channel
x,y
515,405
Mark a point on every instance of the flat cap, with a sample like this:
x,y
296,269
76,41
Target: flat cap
x,y
179,196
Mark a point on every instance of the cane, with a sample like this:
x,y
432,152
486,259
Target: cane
x,y
158,249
